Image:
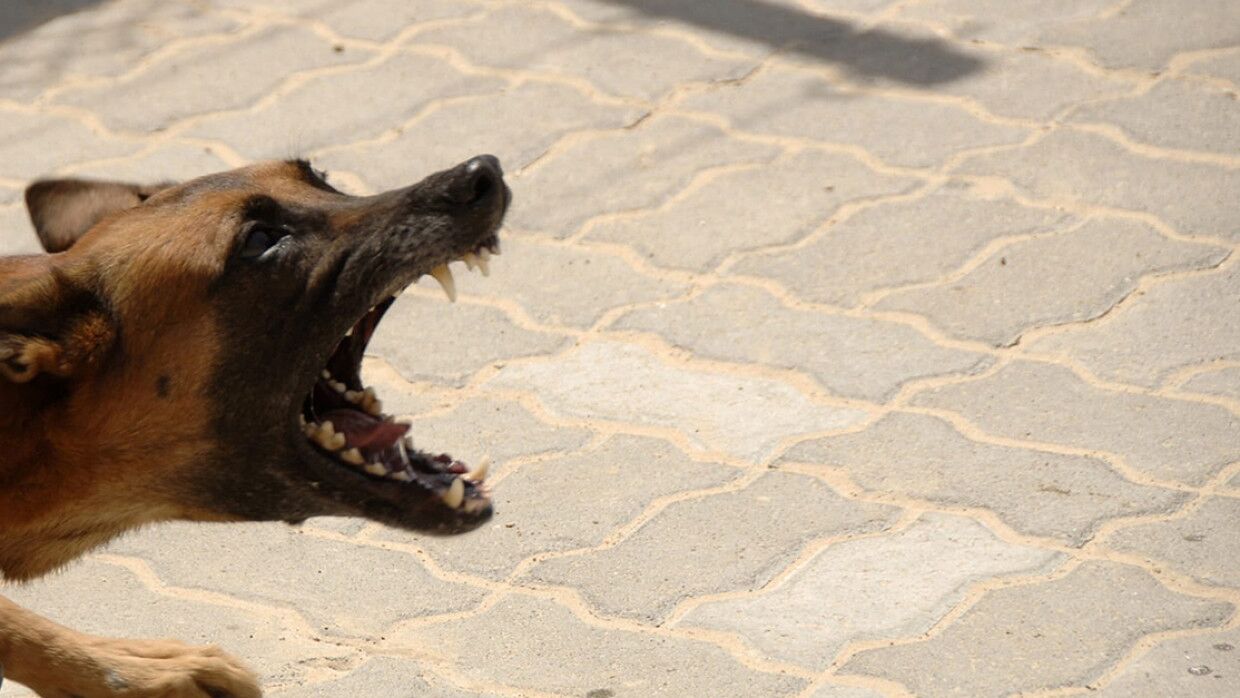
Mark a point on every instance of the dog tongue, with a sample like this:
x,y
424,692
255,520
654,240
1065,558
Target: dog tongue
x,y
364,431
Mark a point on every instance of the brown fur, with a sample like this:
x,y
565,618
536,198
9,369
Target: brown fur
x,y
111,351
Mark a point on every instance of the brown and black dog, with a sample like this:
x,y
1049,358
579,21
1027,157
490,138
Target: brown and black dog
x,y
193,352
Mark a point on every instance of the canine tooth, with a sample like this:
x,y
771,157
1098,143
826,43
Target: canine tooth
x,y
352,456
377,469
374,408
479,473
455,494
443,275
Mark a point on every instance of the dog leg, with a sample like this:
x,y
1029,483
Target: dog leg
x,y
57,662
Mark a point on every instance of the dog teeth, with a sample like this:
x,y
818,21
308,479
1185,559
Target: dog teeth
x,y
338,386
352,456
376,469
443,275
353,396
402,476
484,261
470,259
326,375
480,471
455,494
494,248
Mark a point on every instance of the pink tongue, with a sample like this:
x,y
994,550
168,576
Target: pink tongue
x,y
363,431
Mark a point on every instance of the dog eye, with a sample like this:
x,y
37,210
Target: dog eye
x,y
259,239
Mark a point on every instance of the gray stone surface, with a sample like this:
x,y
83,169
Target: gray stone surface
x,y
783,512
1042,635
1067,166
898,243
528,643
1067,278
1202,544
836,350
745,234
700,229
1170,439
742,416
842,595
1179,323
1036,493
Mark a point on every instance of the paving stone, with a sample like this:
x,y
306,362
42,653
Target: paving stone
x,y
382,20
799,104
102,599
207,78
1036,493
99,41
428,339
1202,666
376,589
1202,544
527,643
1041,636
836,691
637,168
663,564
797,195
503,430
745,417
1147,34
1226,66
392,677
844,593
1008,23
168,162
517,125
1224,382
635,65
16,234
1068,165
328,110
571,502
1177,323
38,145
561,285
1070,277
1170,439
898,243
850,356
1174,114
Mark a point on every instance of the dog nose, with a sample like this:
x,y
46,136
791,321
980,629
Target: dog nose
x,y
476,180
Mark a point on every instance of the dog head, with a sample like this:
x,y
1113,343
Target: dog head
x,y
193,350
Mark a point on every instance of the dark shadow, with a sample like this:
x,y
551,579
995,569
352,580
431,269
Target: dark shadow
x,y
17,16
871,53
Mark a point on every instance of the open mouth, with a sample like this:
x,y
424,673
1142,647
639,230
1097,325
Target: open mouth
x,y
344,420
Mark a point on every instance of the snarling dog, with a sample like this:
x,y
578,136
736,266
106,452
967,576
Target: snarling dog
x,y
193,352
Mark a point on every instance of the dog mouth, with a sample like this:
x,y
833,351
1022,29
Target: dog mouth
x,y
343,420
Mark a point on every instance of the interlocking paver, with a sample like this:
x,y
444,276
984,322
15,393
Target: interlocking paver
x,y
530,643
212,77
1171,439
1041,636
800,104
459,339
572,502
899,243
838,351
1178,323
738,230
1067,166
782,512
702,228
1065,278
843,595
1036,493
517,125
591,178
1201,544
742,416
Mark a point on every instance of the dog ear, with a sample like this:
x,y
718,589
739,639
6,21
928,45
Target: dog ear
x,y
62,210
48,327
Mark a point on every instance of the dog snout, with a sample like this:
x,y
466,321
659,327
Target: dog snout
x,y
476,180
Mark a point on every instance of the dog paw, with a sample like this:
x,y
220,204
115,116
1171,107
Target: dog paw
x,y
162,669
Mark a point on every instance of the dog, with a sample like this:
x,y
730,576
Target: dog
x,y
192,352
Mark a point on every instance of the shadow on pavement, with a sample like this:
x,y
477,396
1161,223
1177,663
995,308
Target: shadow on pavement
x,y
874,53
17,16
